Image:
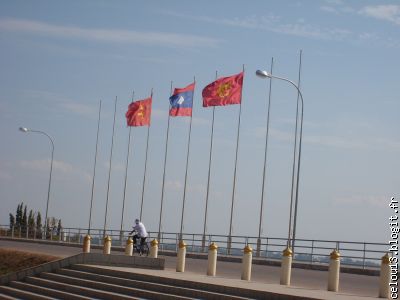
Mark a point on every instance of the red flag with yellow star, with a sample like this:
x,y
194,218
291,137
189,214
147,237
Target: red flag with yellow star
x,y
224,91
139,113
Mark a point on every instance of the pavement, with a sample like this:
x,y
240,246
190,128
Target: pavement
x,y
306,283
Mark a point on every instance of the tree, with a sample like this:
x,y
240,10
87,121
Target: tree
x,y
12,221
39,225
59,227
31,221
24,221
18,215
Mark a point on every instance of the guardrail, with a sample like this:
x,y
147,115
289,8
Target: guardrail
x,y
356,254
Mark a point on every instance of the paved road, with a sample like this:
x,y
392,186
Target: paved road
x,y
361,285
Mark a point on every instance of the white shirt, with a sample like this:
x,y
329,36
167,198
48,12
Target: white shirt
x,y
141,230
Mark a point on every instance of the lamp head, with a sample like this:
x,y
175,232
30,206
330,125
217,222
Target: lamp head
x,y
263,74
23,129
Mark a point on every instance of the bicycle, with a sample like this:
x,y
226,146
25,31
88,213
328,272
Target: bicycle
x,y
141,247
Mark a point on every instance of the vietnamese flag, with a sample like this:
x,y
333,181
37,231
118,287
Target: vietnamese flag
x,y
224,91
139,113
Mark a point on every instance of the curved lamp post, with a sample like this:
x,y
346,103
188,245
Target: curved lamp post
x,y
265,74
24,129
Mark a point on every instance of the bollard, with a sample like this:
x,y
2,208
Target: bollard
x,y
334,270
384,279
212,259
154,248
286,266
180,263
246,262
107,245
129,247
86,244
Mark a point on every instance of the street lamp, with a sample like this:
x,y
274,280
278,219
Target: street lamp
x,y
24,129
265,74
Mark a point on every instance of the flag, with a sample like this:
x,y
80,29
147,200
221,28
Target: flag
x,y
182,101
139,113
224,91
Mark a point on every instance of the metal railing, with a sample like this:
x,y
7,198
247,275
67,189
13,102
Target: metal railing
x,y
356,254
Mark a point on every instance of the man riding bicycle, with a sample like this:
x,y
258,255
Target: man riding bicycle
x,y
140,232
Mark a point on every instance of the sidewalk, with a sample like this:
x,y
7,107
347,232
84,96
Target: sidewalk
x,y
306,283
230,282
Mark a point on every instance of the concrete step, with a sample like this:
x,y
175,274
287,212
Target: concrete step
x,y
20,294
46,291
6,297
115,288
80,290
148,286
229,292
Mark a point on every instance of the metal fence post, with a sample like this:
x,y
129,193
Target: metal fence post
x,y
12,231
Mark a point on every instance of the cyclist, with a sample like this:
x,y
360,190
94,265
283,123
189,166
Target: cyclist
x,y
140,232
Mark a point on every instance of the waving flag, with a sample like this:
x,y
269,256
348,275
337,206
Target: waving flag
x,y
224,91
182,101
139,113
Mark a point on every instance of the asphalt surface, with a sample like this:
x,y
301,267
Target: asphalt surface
x,y
351,284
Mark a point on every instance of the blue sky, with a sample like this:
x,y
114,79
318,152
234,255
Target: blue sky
x,y
59,58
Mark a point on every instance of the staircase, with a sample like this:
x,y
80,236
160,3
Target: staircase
x,y
81,281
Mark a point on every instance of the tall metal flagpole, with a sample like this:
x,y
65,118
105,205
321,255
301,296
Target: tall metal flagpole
x,y
234,177
290,234
109,170
94,171
187,162
298,166
165,163
265,166
145,165
203,242
126,177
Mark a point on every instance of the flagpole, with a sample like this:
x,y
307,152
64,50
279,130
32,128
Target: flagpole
x,y
165,163
109,170
234,177
265,166
126,177
203,243
145,164
298,166
187,163
94,170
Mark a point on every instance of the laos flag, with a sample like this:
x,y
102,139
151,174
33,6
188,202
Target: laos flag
x,y
182,101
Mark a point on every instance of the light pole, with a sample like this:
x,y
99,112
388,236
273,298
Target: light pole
x,y
265,74
24,129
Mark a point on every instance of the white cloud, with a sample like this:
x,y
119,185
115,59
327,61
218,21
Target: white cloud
x,y
390,13
274,23
58,166
377,201
80,109
107,35
174,185
4,175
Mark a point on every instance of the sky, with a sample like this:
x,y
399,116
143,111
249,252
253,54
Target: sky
x,y
58,59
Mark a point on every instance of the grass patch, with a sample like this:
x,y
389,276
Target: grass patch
x,y
12,260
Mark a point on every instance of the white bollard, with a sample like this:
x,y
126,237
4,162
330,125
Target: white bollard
x,y
384,279
154,248
334,271
286,266
180,263
107,245
129,247
246,262
86,244
212,259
